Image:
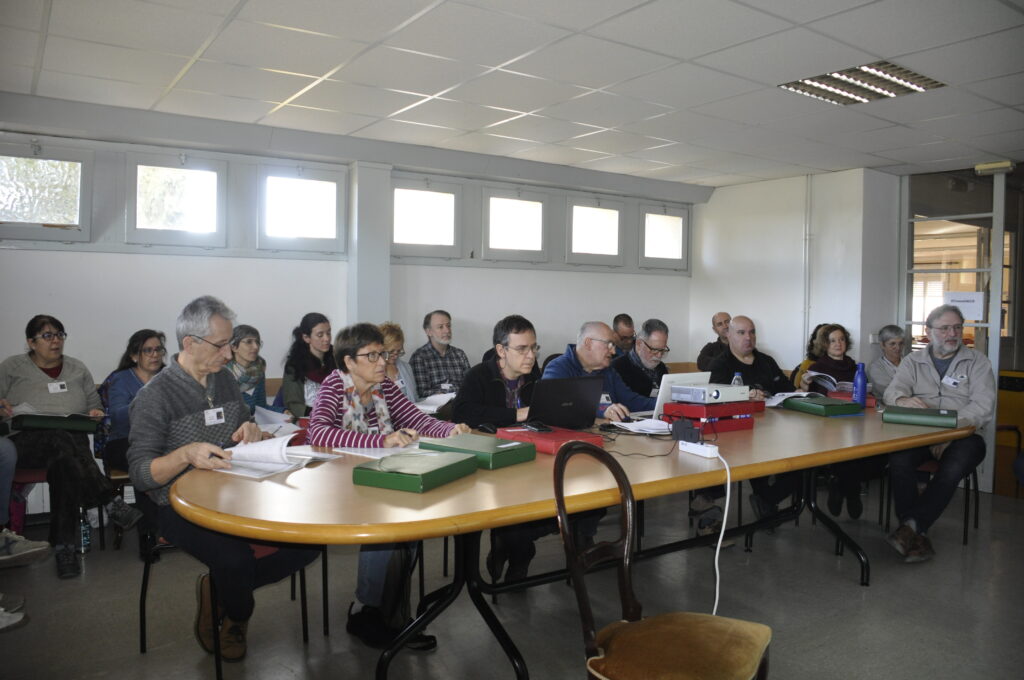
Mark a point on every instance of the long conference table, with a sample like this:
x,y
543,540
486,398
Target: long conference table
x,y
319,504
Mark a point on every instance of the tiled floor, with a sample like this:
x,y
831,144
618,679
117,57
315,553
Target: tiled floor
x,y
958,616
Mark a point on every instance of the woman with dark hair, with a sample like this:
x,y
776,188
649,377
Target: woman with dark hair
x,y
360,406
810,356
309,361
53,383
831,343
142,359
249,368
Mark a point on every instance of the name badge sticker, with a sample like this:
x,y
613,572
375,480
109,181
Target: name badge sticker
x,y
605,398
57,387
951,381
214,416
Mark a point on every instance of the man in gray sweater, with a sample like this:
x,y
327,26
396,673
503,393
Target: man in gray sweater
x,y
184,418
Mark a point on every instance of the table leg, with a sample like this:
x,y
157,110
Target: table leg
x,y
466,572
842,538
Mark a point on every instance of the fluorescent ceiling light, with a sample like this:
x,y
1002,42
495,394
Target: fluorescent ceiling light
x,y
863,84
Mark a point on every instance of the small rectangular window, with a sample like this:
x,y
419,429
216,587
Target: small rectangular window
x,y
426,220
302,208
514,225
664,237
45,194
176,200
594,235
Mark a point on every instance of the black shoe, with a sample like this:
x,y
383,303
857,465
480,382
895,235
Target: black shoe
x,y
835,497
519,562
763,510
854,505
496,559
123,515
421,642
368,625
67,563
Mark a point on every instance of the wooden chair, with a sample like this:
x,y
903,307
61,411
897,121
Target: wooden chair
x,y
673,646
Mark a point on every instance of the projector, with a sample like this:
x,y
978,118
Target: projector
x,y
710,394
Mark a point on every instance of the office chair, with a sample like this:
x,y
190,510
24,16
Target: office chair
x,y
672,646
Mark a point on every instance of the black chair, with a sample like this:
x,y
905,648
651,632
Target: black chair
x,y
930,467
680,645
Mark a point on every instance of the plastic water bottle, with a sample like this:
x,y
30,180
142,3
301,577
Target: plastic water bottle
x,y
860,386
737,379
85,530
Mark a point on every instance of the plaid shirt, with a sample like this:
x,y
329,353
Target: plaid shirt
x,y
433,370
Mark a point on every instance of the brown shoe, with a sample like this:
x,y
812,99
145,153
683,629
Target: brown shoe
x,y
204,625
232,639
902,539
920,551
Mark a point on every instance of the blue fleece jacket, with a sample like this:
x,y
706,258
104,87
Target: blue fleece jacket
x,y
568,366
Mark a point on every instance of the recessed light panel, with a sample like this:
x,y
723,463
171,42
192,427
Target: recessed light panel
x,y
862,84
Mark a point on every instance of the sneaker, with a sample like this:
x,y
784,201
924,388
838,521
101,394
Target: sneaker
x,y
11,620
710,524
835,497
67,563
122,514
232,640
902,539
204,628
17,550
11,603
921,550
701,503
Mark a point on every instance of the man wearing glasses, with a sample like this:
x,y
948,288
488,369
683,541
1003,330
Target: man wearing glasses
x,y
625,335
641,368
592,355
944,375
498,391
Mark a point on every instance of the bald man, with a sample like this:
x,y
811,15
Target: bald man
x,y
718,346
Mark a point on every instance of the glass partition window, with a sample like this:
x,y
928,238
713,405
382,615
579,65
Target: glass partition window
x,y
424,217
177,199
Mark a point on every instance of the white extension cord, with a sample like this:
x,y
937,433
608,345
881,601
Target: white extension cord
x,y
711,451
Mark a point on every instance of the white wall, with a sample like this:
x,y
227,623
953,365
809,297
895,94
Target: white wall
x,y
557,303
102,298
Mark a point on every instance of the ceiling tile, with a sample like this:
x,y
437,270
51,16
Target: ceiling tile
x,y
96,90
685,85
667,26
126,23
316,120
945,101
560,155
682,126
748,140
969,125
764,105
676,173
621,164
242,81
368,101
27,14
821,156
826,123
782,170
1004,144
802,11
513,91
892,137
115,63
893,27
409,71
790,55
572,14
474,35
18,47
458,115
352,19
590,62
1007,90
604,109
490,144
935,151
735,164
994,55
724,180
408,133
675,153
247,44
540,129
217,106
16,79
614,142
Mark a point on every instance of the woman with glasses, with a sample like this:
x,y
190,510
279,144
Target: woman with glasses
x,y
397,369
360,406
249,368
883,369
143,358
309,361
48,382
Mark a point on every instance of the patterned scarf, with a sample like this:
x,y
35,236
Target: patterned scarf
x,y
354,418
248,377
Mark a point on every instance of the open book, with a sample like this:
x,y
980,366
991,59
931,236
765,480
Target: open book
x,y
431,404
829,383
277,424
258,460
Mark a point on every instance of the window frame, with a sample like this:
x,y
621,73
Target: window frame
x,y
36,231
187,160
489,191
437,184
645,262
617,260
338,175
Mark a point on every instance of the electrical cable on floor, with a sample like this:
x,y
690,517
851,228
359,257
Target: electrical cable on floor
x,y
721,533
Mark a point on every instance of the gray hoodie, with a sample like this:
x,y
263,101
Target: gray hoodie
x,y
973,396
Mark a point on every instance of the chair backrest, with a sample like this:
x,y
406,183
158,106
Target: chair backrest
x,y
619,550
99,438
551,357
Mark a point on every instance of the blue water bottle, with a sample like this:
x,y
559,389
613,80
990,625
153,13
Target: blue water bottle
x,y
860,386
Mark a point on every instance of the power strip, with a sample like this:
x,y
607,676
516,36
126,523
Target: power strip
x,y
704,450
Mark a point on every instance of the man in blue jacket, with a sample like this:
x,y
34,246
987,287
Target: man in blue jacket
x,y
592,355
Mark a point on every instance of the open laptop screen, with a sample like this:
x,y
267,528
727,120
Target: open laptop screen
x,y
567,402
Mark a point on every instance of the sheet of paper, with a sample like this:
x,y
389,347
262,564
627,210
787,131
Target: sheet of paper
x,y
265,451
434,402
649,426
258,470
264,416
307,451
776,400
378,452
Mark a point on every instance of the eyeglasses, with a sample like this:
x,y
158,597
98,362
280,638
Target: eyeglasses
x,y
945,330
158,351
251,341
610,344
660,351
48,336
397,354
218,346
525,349
374,357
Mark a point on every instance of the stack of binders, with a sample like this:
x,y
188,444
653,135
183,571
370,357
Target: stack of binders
x,y
723,417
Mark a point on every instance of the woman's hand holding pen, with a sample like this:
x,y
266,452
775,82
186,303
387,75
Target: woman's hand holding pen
x,y
402,437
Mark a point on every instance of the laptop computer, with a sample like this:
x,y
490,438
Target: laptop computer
x,y
567,402
665,391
